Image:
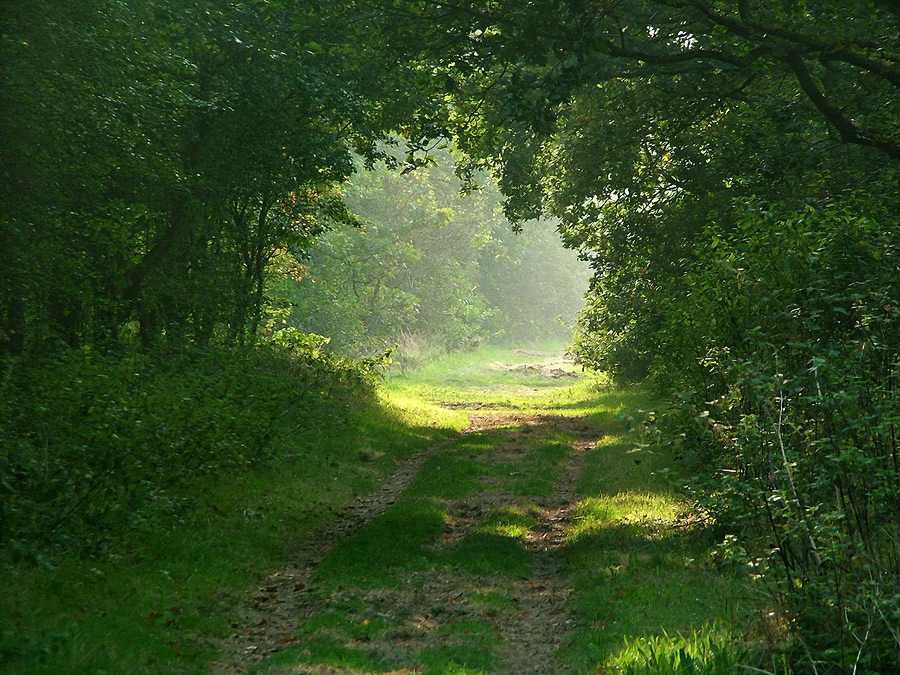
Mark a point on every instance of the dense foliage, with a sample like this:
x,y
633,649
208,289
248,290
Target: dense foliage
x,y
432,268
158,158
94,446
729,170
161,187
158,155
790,398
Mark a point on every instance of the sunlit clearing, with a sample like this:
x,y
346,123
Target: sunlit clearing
x,y
415,411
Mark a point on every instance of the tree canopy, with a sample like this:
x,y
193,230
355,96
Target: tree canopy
x,y
158,155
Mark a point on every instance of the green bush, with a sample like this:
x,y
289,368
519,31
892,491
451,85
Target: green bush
x,y
790,395
93,445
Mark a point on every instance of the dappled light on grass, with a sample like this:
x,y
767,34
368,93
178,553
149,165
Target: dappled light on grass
x,y
452,593
417,411
494,377
644,515
459,571
511,521
647,593
160,595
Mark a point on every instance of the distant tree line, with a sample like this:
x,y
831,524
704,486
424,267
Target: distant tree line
x,y
430,268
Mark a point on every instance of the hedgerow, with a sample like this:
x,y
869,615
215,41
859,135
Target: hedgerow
x,y
94,445
789,393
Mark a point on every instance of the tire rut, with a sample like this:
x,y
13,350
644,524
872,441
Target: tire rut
x,y
535,633
531,633
268,616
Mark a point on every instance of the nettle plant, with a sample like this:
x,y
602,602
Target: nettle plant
x,y
795,405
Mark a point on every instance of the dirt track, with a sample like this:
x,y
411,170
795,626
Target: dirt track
x,y
530,632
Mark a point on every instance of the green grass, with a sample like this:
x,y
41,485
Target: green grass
x,y
456,471
478,378
511,521
380,551
328,639
321,650
647,600
494,555
153,603
472,658
493,600
710,649
535,474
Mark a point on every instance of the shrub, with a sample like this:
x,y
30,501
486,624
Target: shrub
x,y
791,384
96,444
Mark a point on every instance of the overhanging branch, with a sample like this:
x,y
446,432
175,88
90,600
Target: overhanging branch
x,y
848,131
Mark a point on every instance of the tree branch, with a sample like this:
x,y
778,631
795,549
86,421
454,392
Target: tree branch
x,y
755,31
675,57
848,131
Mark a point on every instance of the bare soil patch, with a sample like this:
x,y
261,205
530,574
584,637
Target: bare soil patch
x,y
554,369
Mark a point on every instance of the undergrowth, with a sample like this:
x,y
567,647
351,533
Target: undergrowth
x,y
276,444
96,445
143,497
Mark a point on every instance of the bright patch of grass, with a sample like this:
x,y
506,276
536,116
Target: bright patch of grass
x,y
419,412
487,377
509,522
708,650
649,514
643,580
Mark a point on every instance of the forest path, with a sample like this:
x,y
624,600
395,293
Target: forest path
x,y
453,565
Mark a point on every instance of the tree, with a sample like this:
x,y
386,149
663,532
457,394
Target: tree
x,y
731,171
150,176
428,264
636,122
